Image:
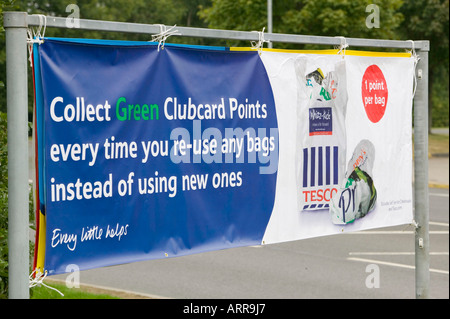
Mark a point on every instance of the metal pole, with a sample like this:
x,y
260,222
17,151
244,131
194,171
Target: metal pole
x,y
421,201
15,24
269,20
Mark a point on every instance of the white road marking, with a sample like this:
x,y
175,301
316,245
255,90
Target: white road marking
x,y
438,224
392,264
379,262
392,253
395,232
438,194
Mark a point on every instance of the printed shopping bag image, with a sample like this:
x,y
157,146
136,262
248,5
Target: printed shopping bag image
x,y
321,133
357,196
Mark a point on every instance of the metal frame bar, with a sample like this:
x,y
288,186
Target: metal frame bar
x,y
269,19
111,26
421,197
16,24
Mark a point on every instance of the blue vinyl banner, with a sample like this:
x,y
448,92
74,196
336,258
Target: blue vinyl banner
x,y
147,152
152,153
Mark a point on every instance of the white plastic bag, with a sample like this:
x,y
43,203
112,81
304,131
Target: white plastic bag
x,y
357,195
321,134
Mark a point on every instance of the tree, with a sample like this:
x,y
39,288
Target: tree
x,y
3,4
429,20
167,12
415,20
235,14
343,18
310,17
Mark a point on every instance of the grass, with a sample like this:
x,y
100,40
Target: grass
x,y
437,144
69,293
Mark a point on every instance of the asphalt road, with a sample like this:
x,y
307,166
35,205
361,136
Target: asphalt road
x,y
371,264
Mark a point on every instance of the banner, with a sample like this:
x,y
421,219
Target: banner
x,y
355,176
147,153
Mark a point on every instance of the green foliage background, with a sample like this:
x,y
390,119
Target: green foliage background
x,y
399,19
3,208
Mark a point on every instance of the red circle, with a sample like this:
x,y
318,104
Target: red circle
x,y
374,93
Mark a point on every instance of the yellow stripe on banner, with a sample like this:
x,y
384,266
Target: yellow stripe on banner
x,y
41,242
331,52
379,54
